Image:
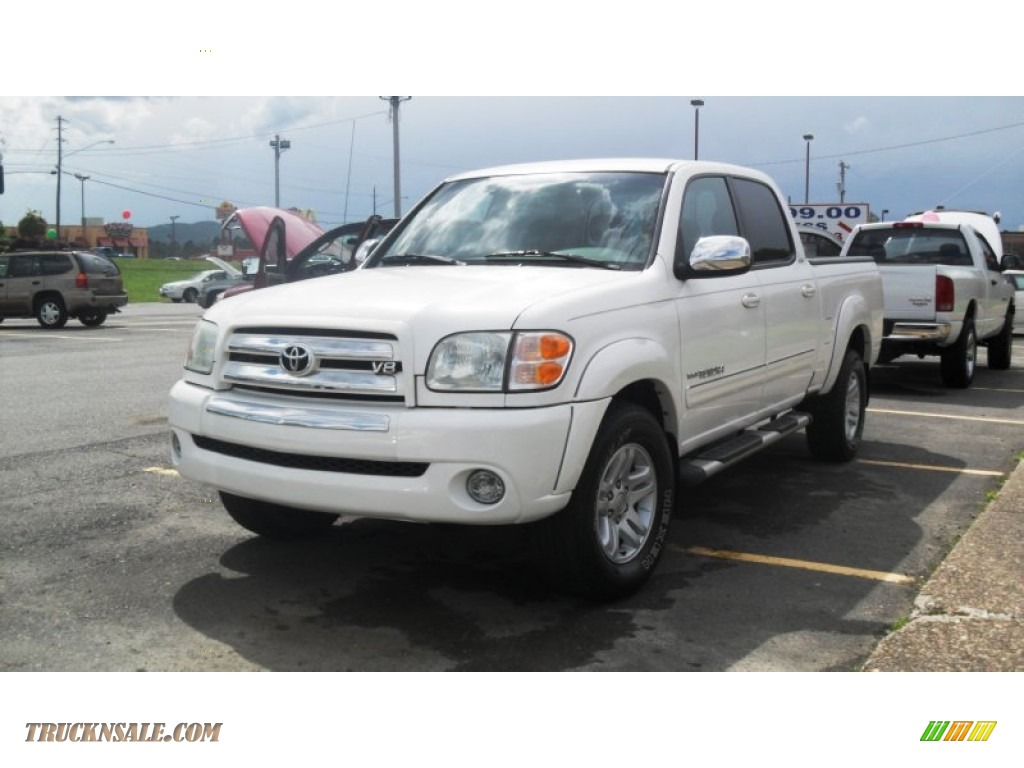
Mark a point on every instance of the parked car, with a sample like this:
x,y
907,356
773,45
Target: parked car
x,y
817,243
188,290
553,345
340,250
944,294
210,291
1016,277
52,286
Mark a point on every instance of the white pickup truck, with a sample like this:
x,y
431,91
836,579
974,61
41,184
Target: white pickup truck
x,y
554,344
944,291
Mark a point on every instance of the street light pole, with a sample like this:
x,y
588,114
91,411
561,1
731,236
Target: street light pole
x,y
884,211
808,137
60,160
173,241
279,145
83,178
696,104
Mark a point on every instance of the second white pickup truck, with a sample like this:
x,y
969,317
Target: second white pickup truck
x,y
944,291
555,344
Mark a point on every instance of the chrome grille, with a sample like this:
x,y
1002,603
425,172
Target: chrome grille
x,y
346,364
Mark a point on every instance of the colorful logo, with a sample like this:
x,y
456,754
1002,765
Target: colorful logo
x,y
959,730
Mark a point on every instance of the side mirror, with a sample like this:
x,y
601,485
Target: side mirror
x,y
1011,261
717,256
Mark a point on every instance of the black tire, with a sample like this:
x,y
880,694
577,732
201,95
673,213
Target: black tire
x,y
1000,347
190,295
960,360
837,427
583,548
274,521
51,312
92,319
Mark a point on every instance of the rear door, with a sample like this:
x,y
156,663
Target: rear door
x,y
721,321
24,280
789,290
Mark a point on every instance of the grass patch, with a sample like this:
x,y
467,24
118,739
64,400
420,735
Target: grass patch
x,y
143,277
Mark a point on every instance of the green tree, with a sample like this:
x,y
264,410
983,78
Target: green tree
x,y
32,226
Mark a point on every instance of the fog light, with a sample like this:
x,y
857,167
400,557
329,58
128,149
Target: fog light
x,y
175,447
485,487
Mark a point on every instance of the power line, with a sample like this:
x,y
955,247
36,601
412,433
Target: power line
x,y
908,145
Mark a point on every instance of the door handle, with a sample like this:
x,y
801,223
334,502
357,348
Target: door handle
x,y
751,300
808,291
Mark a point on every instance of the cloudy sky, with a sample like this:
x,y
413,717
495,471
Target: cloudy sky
x,y
541,82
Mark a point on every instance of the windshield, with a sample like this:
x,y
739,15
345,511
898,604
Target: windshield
x,y
603,219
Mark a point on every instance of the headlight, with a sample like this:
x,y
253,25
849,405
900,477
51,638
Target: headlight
x,y
477,362
469,362
200,351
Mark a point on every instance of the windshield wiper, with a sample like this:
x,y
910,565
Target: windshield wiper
x,y
419,258
574,258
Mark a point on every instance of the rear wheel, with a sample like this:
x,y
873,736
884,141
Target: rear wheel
x,y
51,312
958,361
835,432
606,543
92,319
274,521
1000,348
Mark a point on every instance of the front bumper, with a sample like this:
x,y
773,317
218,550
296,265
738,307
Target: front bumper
x,y
525,447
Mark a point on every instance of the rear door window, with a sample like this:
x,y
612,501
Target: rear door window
x,y
762,222
25,265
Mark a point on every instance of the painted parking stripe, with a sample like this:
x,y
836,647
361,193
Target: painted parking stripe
x,y
995,389
807,565
986,420
161,471
45,335
932,468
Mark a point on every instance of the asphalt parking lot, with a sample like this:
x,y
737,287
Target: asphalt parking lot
x,y
113,562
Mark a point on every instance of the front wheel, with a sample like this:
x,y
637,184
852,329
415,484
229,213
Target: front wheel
x,y
274,521
190,295
958,361
606,543
837,425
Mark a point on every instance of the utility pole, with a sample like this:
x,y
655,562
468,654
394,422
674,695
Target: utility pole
x,y
60,160
808,137
696,104
279,145
843,167
395,101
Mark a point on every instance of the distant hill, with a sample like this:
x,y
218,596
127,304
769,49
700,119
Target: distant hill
x,y
200,232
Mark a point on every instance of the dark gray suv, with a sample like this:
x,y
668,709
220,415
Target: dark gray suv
x,y
52,286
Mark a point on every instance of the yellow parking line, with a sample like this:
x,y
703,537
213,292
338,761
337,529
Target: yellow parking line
x,y
161,471
1016,422
932,468
807,565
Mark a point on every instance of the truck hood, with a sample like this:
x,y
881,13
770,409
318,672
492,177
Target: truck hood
x,y
436,299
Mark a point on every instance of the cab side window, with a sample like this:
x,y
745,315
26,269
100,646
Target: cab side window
x,y
765,226
707,210
991,262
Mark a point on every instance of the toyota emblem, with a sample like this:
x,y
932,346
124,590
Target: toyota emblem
x,y
297,359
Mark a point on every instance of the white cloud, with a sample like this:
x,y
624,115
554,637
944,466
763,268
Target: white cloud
x,y
857,125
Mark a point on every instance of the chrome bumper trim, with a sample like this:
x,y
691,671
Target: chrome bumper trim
x,y
314,418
